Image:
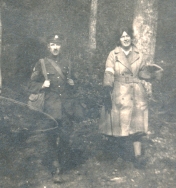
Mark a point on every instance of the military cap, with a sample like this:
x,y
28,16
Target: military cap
x,y
55,38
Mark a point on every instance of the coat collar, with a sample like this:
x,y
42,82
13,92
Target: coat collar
x,y
135,54
118,49
123,60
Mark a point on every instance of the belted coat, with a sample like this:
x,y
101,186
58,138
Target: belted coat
x,y
129,113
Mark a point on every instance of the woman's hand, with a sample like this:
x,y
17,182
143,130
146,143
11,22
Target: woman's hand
x,y
107,98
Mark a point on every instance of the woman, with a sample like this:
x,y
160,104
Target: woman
x,y
126,108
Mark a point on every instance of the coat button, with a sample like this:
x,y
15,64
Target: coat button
x,y
60,94
58,77
131,74
122,98
58,86
131,98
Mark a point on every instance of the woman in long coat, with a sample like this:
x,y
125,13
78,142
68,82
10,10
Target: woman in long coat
x,y
126,106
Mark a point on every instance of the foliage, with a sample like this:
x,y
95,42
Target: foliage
x,y
27,23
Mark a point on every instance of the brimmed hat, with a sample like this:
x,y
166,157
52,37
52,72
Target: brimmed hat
x,y
152,71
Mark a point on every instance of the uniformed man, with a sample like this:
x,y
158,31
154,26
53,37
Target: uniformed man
x,y
55,87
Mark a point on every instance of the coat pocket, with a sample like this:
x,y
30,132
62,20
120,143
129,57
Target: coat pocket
x,y
141,93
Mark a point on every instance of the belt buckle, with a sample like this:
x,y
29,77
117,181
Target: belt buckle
x,y
127,79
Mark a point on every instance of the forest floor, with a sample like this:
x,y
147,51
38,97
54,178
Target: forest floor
x,y
96,162
113,167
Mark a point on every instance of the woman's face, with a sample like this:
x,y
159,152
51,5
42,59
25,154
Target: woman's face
x,y
125,40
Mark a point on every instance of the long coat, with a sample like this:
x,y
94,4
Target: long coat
x,y
129,113
55,94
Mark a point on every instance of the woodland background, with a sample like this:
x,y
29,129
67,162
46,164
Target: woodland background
x,y
26,24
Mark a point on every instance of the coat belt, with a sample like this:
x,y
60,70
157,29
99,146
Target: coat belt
x,y
127,79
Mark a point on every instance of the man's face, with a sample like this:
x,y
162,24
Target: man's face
x,y
54,48
125,40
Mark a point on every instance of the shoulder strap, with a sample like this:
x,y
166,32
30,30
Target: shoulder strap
x,y
58,69
44,69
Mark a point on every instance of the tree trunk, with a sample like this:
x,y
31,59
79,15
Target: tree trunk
x,y
0,47
92,27
145,27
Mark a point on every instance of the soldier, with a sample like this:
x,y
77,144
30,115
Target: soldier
x,y
55,87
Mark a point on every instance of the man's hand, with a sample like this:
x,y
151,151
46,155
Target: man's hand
x,y
46,84
70,82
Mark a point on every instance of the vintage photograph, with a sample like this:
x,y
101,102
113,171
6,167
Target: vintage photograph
x,y
87,94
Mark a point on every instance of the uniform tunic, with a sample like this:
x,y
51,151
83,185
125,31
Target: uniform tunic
x,y
129,112
55,94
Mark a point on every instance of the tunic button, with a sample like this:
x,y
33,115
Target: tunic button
x,y
131,98
58,86
122,98
131,74
60,94
58,77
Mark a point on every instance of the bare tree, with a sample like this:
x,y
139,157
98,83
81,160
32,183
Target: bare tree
x,y
0,46
145,28
93,23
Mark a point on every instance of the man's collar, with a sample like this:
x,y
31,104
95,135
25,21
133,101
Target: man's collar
x,y
51,56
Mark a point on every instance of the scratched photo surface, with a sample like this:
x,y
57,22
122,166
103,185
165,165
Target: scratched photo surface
x,y
62,146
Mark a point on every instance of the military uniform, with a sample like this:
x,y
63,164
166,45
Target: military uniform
x,y
56,93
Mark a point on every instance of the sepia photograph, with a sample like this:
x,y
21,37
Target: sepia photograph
x,y
87,94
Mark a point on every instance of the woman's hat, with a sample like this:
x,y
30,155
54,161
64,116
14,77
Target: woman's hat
x,y
151,72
